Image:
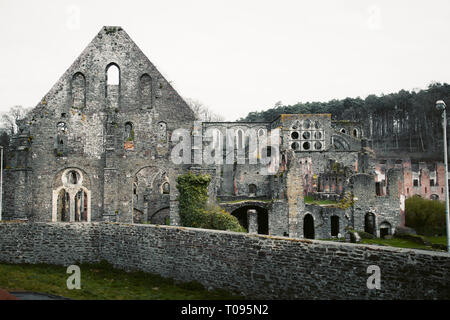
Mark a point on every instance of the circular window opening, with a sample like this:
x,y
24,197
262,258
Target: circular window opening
x,y
294,135
306,135
318,145
306,124
294,146
318,135
73,177
306,146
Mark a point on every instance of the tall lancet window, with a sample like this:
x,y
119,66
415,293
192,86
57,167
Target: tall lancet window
x,y
113,84
145,91
113,75
78,91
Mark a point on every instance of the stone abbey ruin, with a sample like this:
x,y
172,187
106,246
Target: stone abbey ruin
x,y
97,148
89,177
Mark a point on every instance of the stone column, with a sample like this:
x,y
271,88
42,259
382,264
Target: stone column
x,y
252,217
145,216
72,207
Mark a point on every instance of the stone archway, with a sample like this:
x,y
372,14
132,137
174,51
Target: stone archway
x,y
151,196
71,200
369,223
334,226
385,229
308,227
261,221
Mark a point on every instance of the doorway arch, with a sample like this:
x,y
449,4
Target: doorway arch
x,y
334,226
369,223
262,218
308,227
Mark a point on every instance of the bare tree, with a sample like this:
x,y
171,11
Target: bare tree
x,y
202,112
8,119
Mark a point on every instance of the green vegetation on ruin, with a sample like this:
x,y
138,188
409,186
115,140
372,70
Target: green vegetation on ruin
x,y
246,200
311,200
196,212
102,282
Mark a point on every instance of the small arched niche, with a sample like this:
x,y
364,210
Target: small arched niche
x,y
78,91
145,91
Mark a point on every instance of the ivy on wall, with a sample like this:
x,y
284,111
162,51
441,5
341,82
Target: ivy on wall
x,y
196,212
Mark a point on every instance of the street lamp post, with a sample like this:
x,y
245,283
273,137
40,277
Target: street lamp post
x,y
1,182
440,105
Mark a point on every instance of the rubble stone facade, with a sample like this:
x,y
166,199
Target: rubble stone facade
x,y
257,266
98,147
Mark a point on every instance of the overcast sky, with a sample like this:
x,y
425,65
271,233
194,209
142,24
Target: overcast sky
x,y
236,56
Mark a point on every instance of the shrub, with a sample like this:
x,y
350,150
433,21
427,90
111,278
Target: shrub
x,y
427,217
366,235
194,211
222,220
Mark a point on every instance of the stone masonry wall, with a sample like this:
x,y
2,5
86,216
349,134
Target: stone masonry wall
x,y
258,266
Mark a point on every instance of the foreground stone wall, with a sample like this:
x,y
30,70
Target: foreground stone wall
x,y
258,266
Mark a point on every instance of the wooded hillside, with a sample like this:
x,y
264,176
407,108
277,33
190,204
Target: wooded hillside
x,y
406,121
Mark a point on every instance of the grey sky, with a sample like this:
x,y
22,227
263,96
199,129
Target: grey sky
x,y
236,56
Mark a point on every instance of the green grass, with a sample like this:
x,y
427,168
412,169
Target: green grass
x,y
396,242
438,240
310,200
246,200
403,243
102,282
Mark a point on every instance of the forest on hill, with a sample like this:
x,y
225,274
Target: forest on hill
x,y
403,121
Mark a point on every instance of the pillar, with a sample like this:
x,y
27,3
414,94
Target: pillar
x,y
252,216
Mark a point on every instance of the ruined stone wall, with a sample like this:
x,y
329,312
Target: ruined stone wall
x,y
235,178
82,123
430,176
257,266
322,220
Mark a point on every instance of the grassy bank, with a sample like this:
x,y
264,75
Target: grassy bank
x,y
102,282
311,200
403,243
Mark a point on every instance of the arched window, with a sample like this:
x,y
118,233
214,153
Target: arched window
x,y
252,190
355,133
73,177
334,226
385,229
145,91
217,139
261,132
162,131
112,75
78,91
308,227
369,223
240,138
62,128
166,188
306,124
129,132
